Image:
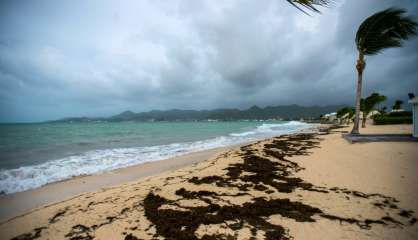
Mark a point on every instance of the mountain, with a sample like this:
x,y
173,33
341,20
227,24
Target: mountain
x,y
127,115
287,112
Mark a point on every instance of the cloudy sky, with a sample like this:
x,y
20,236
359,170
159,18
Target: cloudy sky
x,y
98,58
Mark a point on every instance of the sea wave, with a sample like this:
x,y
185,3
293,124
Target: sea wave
x,y
96,161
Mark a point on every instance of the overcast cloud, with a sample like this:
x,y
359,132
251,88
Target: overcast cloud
x,y
98,58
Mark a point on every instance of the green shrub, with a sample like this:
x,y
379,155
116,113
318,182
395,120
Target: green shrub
x,y
400,114
388,119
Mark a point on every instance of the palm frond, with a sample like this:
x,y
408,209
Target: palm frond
x,y
385,29
309,4
368,104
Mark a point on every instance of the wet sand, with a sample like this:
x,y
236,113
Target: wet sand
x,y
19,203
305,186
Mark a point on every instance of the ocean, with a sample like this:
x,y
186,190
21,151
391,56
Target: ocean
x,y
32,155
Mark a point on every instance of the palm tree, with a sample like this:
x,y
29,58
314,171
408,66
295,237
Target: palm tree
x,y
309,4
397,105
345,114
368,105
383,30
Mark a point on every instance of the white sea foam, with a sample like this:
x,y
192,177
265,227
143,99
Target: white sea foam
x,y
28,177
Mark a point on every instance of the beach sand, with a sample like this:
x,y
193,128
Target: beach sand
x,y
18,203
305,186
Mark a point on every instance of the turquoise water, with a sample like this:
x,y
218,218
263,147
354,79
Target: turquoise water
x,y
23,144
32,155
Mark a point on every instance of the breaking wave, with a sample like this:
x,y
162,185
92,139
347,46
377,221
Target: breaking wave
x,y
96,161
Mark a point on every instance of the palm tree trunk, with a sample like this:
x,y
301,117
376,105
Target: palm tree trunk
x,y
360,67
363,122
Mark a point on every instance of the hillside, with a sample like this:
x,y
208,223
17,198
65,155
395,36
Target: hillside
x,y
286,112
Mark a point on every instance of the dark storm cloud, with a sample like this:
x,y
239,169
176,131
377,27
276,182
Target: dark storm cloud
x,y
99,58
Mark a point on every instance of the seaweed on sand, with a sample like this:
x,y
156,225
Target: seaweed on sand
x,y
174,224
268,168
36,233
260,174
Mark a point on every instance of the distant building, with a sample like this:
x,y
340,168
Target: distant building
x,y
374,113
414,102
330,117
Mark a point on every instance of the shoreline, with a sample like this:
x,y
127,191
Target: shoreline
x,y
96,161
21,203
292,186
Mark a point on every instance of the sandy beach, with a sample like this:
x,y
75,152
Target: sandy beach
x,y
303,186
22,202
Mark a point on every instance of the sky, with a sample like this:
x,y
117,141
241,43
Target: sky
x,y
98,58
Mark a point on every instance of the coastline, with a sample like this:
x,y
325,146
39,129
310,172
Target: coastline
x,y
345,190
26,175
21,203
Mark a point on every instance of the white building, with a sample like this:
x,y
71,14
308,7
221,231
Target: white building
x,y
414,102
330,116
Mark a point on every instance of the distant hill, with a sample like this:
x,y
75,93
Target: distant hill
x,y
287,112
